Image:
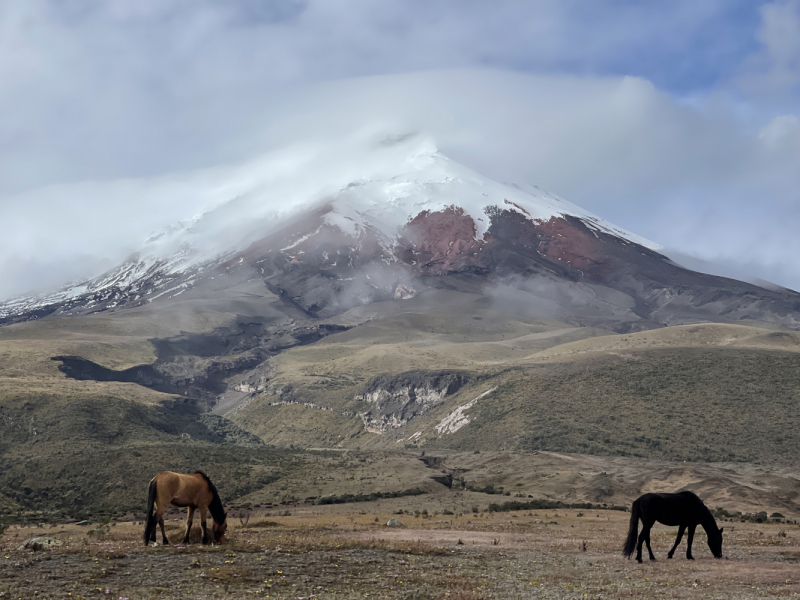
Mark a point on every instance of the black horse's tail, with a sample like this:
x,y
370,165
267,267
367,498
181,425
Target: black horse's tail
x,y
633,531
150,521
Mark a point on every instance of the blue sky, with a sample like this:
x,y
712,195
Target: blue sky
x,y
676,120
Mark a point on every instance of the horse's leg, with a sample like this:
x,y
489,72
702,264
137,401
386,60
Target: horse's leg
x,y
150,533
644,535
689,542
681,529
202,512
189,515
156,517
163,533
157,514
647,541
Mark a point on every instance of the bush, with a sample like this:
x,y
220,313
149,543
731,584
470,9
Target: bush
x,y
488,489
347,498
546,504
101,530
263,523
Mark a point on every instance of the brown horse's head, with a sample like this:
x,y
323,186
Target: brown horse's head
x,y
219,530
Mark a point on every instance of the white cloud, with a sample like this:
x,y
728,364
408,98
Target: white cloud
x,y
129,106
616,146
776,67
126,89
779,129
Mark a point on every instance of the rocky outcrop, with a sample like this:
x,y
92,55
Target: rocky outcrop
x,y
457,419
396,400
40,543
440,242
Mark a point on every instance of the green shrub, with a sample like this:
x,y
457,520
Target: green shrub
x,y
347,498
538,504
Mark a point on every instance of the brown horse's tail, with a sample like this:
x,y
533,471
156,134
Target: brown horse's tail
x,y
633,531
150,521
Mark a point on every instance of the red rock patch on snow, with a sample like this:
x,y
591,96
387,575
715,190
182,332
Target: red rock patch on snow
x,y
441,241
444,242
568,243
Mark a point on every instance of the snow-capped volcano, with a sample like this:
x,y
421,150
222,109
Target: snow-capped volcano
x,y
370,190
424,180
330,227
377,186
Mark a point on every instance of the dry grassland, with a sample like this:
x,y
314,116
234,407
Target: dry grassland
x,y
525,554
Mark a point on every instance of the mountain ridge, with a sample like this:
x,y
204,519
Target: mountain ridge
x,y
414,180
473,290
415,220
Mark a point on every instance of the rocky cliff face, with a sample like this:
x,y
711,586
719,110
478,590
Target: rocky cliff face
x,y
394,401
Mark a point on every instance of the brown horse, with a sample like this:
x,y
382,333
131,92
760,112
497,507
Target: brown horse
x,y
194,491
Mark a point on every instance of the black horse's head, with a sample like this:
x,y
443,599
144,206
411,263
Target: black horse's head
x,y
715,542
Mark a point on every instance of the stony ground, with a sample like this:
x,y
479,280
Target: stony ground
x,y
538,554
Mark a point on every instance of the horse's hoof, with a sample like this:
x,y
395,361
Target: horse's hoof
x,y
639,560
669,555
690,558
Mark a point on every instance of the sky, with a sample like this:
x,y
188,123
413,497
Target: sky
x,y
675,120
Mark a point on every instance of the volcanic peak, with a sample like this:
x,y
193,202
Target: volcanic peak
x,y
384,197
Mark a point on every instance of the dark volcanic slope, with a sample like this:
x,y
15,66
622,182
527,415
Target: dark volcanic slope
x,y
565,266
198,365
571,268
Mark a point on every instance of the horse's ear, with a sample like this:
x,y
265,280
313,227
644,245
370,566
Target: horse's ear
x,y
720,529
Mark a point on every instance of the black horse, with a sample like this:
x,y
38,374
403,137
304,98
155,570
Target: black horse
x,y
683,509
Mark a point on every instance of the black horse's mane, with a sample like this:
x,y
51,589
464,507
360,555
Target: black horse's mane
x,y
708,516
215,508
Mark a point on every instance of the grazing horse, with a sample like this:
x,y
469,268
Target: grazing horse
x,y
683,509
194,491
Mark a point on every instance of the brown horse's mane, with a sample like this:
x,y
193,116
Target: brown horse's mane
x,y
215,508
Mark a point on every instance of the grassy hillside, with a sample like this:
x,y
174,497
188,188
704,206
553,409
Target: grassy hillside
x,y
701,392
83,446
727,393
689,404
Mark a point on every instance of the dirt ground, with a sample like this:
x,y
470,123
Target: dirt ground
x,y
525,554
